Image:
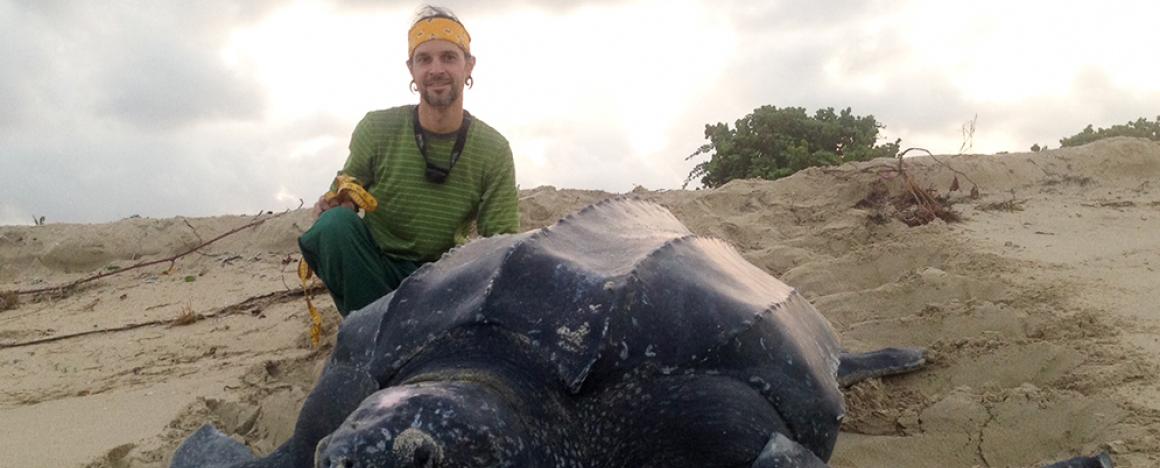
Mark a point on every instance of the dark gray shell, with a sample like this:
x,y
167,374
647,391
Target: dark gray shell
x,y
620,286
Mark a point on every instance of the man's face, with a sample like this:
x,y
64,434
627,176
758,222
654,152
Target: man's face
x,y
439,68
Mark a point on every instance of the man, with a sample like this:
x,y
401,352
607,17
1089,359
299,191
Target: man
x,y
433,168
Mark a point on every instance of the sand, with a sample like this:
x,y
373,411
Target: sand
x,y
1038,308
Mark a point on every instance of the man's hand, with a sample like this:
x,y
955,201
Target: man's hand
x,y
323,204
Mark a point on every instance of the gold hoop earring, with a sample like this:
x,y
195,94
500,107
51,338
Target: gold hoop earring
x,y
469,82
414,87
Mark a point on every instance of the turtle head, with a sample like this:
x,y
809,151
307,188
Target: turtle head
x,y
426,426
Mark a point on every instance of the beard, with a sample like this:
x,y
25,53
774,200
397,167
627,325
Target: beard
x,y
441,100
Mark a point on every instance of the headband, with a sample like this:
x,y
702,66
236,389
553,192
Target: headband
x,y
438,28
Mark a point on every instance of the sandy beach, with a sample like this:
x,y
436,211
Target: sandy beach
x,y
1038,307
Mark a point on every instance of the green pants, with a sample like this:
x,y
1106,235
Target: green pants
x,y
342,252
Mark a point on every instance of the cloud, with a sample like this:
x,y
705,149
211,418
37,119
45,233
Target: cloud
x,y
160,84
908,70
817,61
23,64
775,18
150,65
158,108
100,175
1092,98
12,216
109,109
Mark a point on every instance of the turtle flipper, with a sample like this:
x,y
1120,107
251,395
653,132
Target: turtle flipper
x,y
1102,460
209,447
782,452
856,367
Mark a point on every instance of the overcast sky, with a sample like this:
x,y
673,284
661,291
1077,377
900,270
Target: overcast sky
x,y
162,108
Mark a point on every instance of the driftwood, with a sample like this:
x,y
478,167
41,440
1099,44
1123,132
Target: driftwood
x,y
917,205
171,260
248,305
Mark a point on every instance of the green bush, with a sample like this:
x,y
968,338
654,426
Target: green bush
x,y
771,143
1140,128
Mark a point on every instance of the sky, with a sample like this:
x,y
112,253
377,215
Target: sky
x,y
118,108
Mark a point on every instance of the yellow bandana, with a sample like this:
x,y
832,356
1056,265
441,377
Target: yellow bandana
x,y
438,28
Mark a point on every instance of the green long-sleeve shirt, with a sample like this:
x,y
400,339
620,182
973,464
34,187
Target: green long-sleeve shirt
x,y
420,220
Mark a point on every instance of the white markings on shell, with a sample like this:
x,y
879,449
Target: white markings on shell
x,y
571,340
392,397
765,386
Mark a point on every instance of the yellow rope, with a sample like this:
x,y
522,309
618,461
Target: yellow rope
x,y
304,275
347,188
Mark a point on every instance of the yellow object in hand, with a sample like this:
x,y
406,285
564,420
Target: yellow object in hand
x,y
347,188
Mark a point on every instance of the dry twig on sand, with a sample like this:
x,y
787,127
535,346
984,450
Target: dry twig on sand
x,y
172,260
916,206
251,305
187,316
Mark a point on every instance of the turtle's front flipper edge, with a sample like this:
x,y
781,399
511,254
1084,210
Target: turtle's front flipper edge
x,y
782,452
1101,460
209,447
856,367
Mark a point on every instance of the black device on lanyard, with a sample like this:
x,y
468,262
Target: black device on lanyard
x,y
436,174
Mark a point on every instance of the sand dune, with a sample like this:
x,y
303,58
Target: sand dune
x,y
1038,307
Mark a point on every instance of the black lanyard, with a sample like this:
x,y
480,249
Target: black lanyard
x,y
436,174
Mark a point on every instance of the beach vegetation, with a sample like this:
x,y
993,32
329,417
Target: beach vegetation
x,y
773,142
1140,128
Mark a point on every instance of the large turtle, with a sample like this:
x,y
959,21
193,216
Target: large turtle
x,y
614,338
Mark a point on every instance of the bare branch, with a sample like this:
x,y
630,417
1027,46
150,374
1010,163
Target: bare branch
x,y
172,260
932,157
250,304
191,228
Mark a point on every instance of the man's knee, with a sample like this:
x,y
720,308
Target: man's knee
x,y
336,226
339,221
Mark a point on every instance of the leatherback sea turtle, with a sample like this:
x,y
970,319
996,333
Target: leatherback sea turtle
x,y
614,338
